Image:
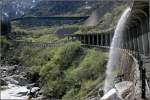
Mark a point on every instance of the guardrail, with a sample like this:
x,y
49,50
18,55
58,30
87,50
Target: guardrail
x,y
37,45
128,68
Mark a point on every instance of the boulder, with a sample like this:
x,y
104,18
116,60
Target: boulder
x,y
22,80
35,89
29,86
34,92
22,93
11,80
3,82
124,88
111,95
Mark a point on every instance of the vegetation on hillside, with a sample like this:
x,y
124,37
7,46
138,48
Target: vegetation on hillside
x,y
68,71
108,20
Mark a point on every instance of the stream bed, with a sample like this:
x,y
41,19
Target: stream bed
x,y
14,92
15,85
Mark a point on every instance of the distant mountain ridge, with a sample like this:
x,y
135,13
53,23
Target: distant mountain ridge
x,y
18,8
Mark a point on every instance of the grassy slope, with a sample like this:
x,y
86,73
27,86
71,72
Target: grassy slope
x,y
68,71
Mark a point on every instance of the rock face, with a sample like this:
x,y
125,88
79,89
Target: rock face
x,y
11,80
125,89
111,95
122,91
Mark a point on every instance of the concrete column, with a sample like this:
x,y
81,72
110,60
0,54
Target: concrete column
x,y
111,37
92,39
95,39
149,41
97,42
148,33
146,30
136,39
99,39
145,38
102,39
88,36
84,39
140,42
129,41
108,39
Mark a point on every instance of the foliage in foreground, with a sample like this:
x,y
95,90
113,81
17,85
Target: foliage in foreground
x,y
66,72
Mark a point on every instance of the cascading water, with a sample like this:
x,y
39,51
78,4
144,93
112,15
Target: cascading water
x,y
112,64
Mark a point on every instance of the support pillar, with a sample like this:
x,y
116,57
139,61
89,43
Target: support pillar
x,y
97,36
88,36
140,42
144,39
106,40
102,40
92,39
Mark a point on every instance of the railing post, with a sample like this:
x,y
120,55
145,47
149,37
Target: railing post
x,y
142,76
143,84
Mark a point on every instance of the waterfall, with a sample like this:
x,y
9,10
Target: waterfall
x,y
114,53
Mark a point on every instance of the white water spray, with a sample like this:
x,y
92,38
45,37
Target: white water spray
x,y
114,53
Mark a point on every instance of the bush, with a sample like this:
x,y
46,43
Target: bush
x,y
90,67
72,82
62,58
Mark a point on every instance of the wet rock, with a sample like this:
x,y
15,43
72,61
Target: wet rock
x,y
124,88
10,80
34,92
3,68
101,92
22,93
111,95
3,82
29,86
41,97
35,89
12,68
23,74
22,80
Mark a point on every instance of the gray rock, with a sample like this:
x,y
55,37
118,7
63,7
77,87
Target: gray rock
x,y
23,93
11,80
29,86
22,80
35,89
3,82
111,95
124,88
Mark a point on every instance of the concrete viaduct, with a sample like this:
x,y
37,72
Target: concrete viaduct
x,y
52,18
136,36
136,41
